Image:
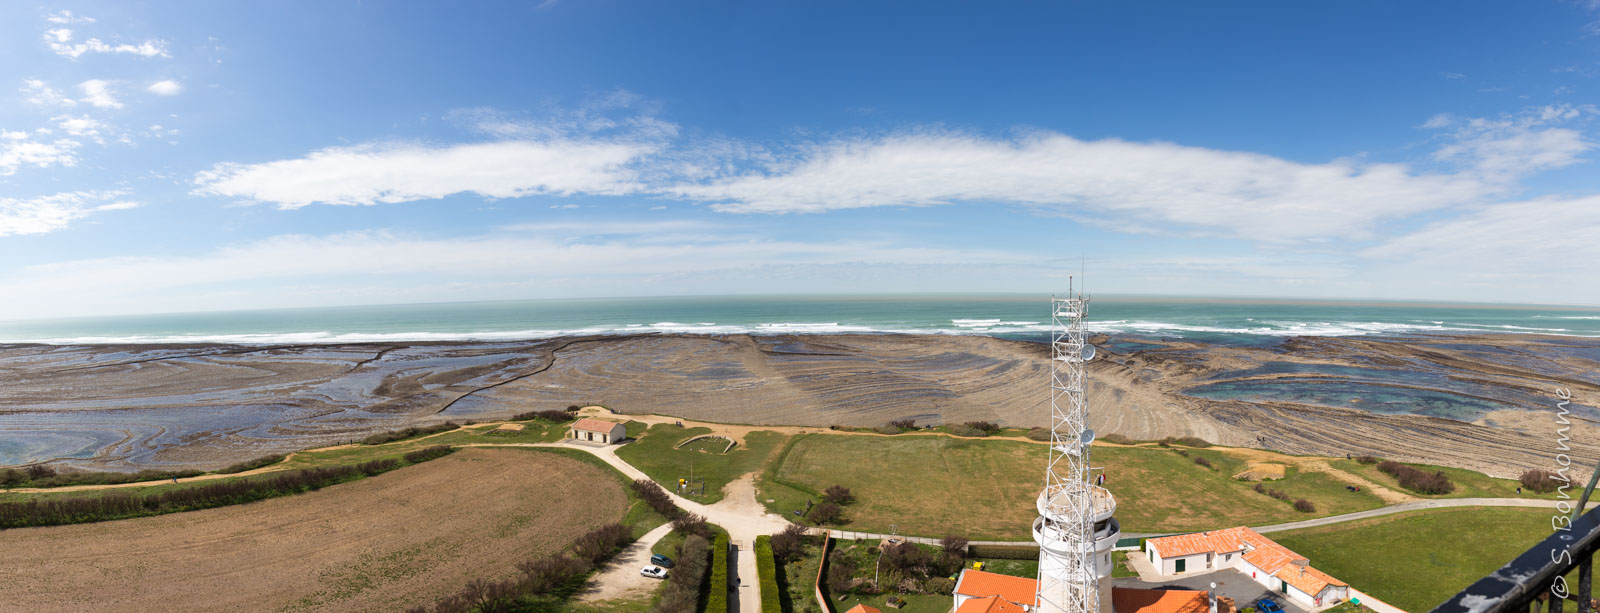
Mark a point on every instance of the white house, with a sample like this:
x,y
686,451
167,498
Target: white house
x,y
598,430
1270,564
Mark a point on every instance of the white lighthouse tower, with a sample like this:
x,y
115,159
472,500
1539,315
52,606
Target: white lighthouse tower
x,y
1076,530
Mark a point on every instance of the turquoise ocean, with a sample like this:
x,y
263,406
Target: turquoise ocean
x,y
1012,316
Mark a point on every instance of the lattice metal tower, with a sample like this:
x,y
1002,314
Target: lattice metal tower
x,y
1075,529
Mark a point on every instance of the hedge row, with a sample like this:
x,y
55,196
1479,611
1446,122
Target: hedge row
x,y
1003,552
40,475
78,510
551,574
767,571
405,433
717,600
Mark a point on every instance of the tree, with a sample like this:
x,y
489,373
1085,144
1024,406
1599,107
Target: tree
x,y
838,494
786,545
825,513
954,545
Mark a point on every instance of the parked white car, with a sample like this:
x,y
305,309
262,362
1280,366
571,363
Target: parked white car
x,y
654,572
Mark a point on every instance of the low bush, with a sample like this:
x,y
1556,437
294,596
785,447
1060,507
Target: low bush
x,y
1420,481
1118,439
405,433
1368,459
717,599
550,416
1541,481
986,426
40,475
1039,434
1004,552
1186,441
539,576
1203,462
428,453
841,573
939,585
657,498
767,574
266,460
888,430
682,592
789,544
954,545
1304,506
689,523
904,424
965,430
825,513
838,494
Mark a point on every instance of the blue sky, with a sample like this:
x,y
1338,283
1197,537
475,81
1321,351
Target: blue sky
x,y
177,156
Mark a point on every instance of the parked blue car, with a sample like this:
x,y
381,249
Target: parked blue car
x,y
1267,605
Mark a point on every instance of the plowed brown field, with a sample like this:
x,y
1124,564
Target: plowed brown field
x,y
380,544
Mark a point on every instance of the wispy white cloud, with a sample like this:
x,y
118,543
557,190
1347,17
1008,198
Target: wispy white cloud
x,y
1127,185
82,125
17,153
41,94
1452,75
1514,145
54,212
385,266
98,93
65,16
165,88
60,41
373,174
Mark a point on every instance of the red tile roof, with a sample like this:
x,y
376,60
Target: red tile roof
x,y
1263,553
1130,600
861,608
594,425
992,604
982,584
1312,581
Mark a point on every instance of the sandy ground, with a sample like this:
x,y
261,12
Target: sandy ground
x,y
208,406
420,533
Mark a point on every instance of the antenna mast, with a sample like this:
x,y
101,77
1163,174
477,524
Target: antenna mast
x,y
1076,529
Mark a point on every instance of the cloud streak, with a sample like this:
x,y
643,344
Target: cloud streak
x,y
55,212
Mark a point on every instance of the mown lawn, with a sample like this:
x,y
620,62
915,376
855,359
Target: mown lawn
x,y
1417,560
654,454
1469,484
984,490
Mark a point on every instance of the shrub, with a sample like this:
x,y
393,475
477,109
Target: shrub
x,y
1118,439
825,513
378,466
954,545
1304,506
1260,489
691,524
428,453
986,426
887,430
543,575
1183,452
767,573
838,494
682,592
39,472
1420,481
904,424
1541,481
1203,462
550,416
1186,441
656,497
12,477
841,573
965,430
597,545
907,557
788,545
939,585
1004,552
717,600
1039,434
405,433
1368,459
266,460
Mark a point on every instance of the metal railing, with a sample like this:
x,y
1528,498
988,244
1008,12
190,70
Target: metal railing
x,y
1536,580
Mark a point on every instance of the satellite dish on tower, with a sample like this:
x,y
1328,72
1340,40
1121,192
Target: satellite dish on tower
x,y
1083,355
1086,437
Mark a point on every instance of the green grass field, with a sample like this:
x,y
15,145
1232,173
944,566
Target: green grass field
x,y
653,453
984,489
1417,560
1469,484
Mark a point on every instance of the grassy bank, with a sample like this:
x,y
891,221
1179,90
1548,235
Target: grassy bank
x,y
654,453
1441,551
1469,484
983,489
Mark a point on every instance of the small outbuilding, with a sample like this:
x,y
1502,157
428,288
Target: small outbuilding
x,y
598,431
